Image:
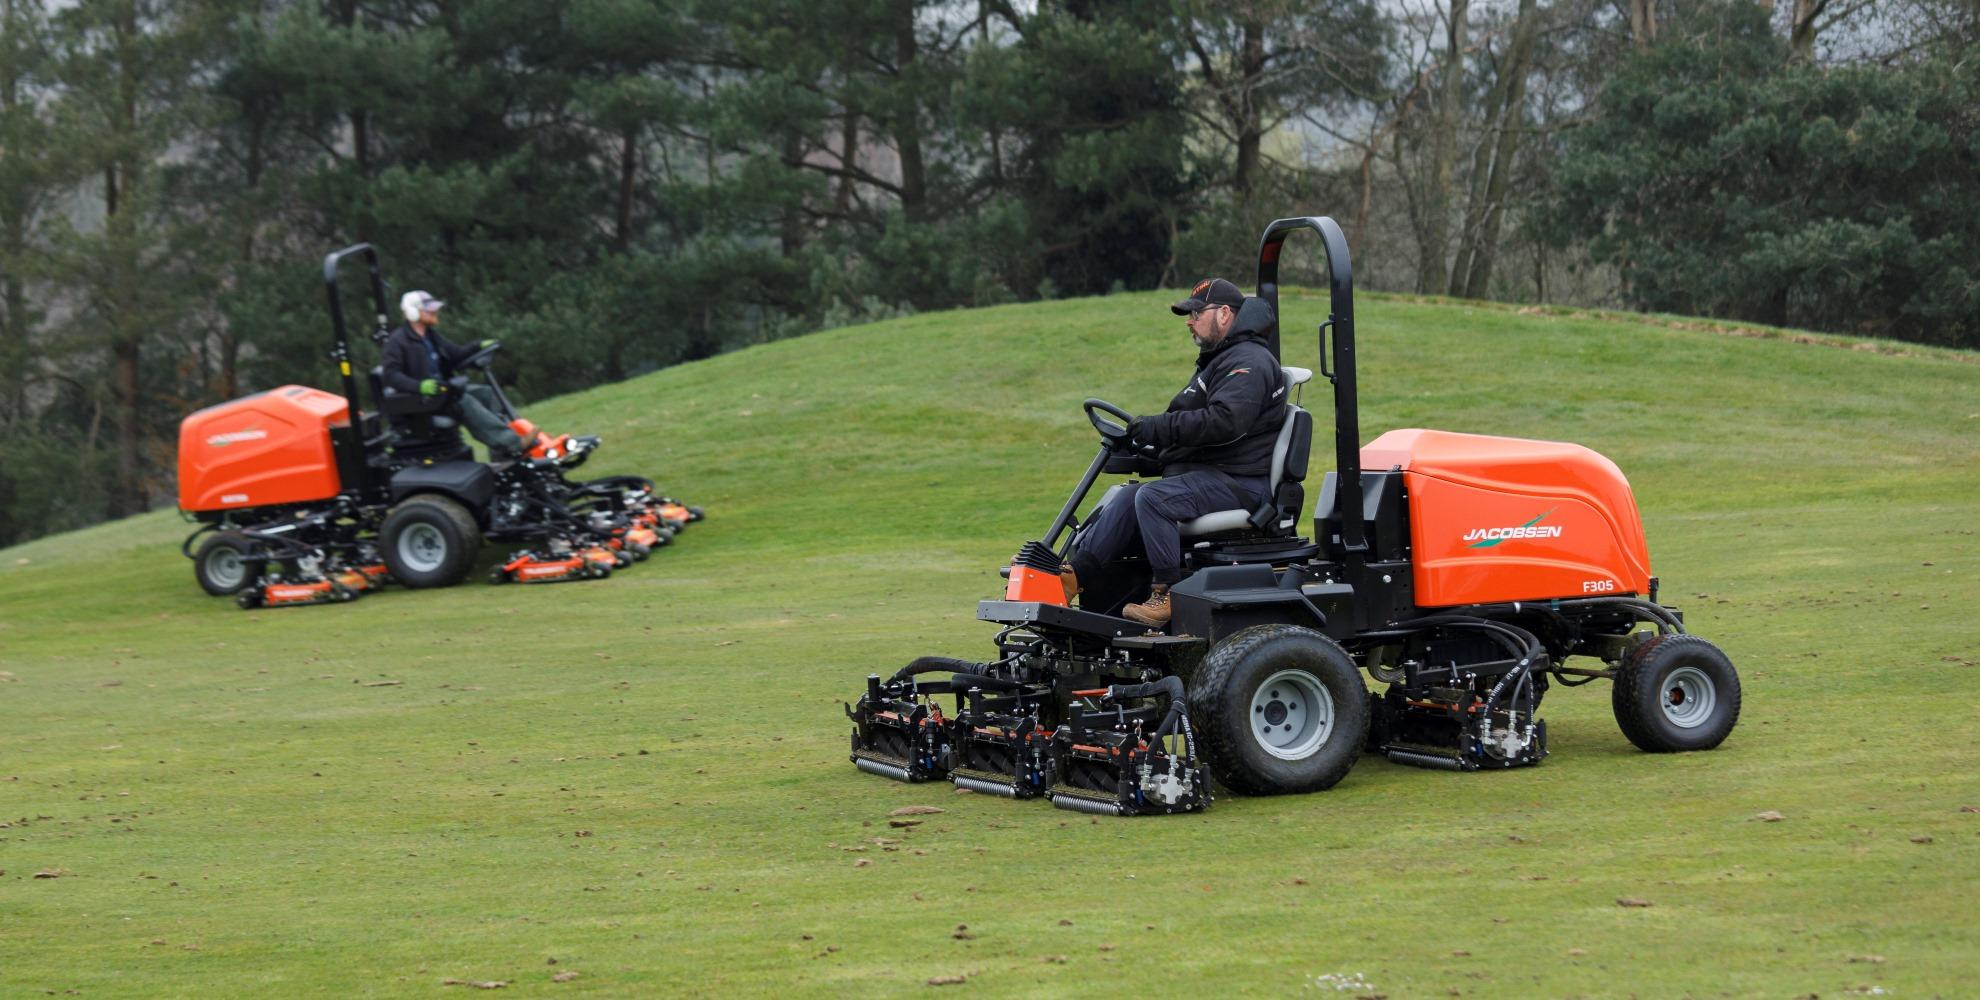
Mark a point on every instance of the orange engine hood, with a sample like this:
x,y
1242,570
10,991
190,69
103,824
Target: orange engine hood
x,y
1496,519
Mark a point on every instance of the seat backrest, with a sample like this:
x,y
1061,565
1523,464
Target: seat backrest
x,y
422,429
1289,461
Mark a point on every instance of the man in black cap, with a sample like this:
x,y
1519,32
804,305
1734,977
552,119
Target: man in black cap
x,y
1214,445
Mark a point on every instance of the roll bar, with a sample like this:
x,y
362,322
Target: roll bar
x,y
340,351
1347,420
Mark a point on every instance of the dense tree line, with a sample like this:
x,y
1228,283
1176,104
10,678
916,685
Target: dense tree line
x,y
611,186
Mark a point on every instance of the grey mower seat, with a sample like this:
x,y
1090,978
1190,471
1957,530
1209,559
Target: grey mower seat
x,y
1288,472
400,405
421,427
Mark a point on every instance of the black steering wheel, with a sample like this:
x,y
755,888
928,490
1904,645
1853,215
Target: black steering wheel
x,y
1115,434
479,359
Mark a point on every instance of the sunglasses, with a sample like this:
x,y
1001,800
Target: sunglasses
x,y
1195,313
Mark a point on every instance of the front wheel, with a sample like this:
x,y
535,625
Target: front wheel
x,y
429,541
1675,693
221,565
1281,709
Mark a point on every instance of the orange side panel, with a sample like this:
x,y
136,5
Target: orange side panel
x,y
1506,519
558,569
269,448
296,593
1028,584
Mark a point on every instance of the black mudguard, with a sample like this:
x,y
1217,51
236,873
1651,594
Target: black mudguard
x,y
472,483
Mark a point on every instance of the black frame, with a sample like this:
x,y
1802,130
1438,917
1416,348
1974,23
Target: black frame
x,y
340,352
1340,319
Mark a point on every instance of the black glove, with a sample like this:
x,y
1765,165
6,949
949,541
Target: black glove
x,y
1134,432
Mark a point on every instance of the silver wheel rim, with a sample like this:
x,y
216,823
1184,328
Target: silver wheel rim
x,y
422,548
225,567
1291,715
1689,697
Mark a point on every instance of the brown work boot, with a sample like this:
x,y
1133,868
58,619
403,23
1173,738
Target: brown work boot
x,y
1154,611
1070,581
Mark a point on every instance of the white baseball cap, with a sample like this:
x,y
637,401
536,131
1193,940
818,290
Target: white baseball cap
x,y
413,303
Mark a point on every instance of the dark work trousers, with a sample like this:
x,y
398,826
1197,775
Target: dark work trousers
x,y
1154,510
478,408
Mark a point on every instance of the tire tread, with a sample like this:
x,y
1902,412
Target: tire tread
x,y
1211,704
1636,706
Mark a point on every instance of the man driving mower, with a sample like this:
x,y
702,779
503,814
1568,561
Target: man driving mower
x,y
1213,446
417,359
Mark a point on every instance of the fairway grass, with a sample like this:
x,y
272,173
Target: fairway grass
x,y
643,781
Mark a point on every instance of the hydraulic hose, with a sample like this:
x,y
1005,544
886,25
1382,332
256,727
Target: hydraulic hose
x,y
1522,644
1517,641
1646,609
185,547
1171,686
931,664
1177,718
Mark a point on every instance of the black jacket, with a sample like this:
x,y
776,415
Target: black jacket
x,y
406,363
1228,417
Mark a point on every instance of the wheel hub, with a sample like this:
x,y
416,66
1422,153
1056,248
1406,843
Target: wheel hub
x,y
1292,715
1689,697
422,548
225,567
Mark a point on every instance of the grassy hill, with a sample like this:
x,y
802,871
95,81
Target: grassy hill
x,y
644,781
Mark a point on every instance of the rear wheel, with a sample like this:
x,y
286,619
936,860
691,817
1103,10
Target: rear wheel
x,y
221,564
1280,709
1675,693
429,541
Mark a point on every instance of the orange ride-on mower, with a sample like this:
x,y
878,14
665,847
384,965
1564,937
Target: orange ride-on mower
x,y
1461,573
279,474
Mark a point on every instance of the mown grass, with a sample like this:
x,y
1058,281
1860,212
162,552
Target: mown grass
x,y
644,779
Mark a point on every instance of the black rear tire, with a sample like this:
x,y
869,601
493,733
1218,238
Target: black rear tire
x,y
429,541
1676,693
1281,709
221,565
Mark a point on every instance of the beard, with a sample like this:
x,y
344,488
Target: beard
x,y
1209,338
